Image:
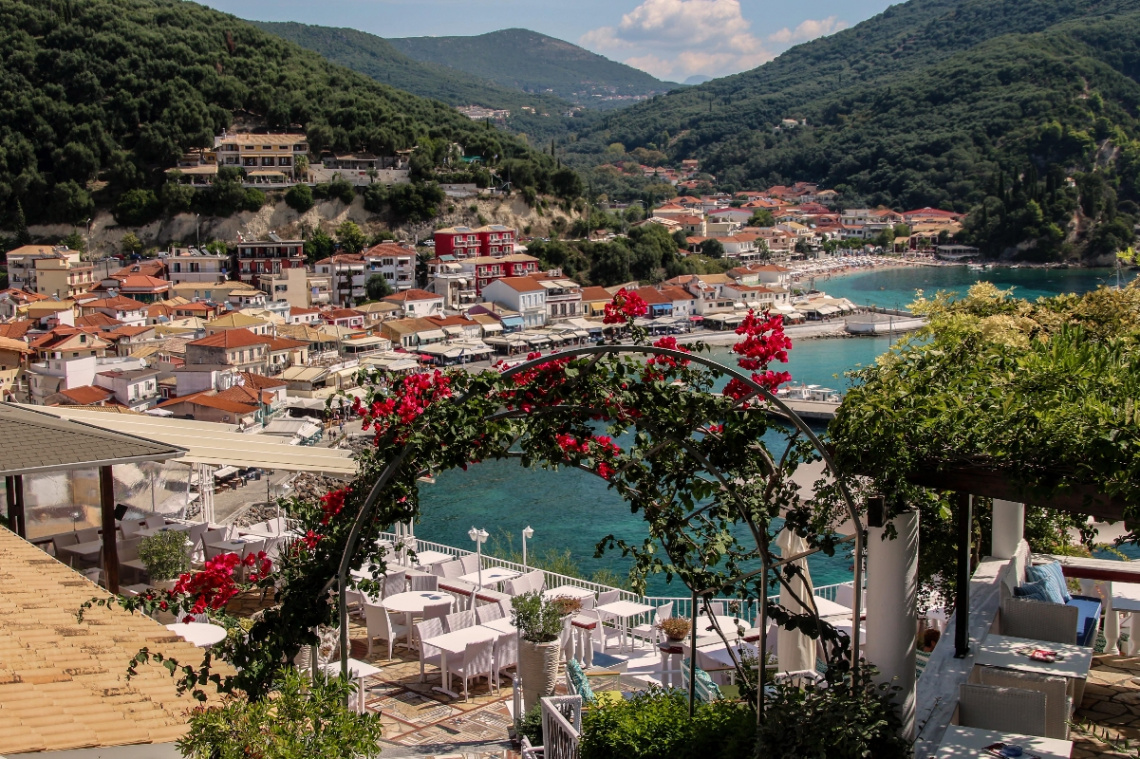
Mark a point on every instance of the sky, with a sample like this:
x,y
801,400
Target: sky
x,y
671,39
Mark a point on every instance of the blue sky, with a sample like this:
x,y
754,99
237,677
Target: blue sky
x,y
671,39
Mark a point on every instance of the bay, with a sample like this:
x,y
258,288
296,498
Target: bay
x,y
571,510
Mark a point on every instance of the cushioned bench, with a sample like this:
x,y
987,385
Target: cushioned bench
x,y
1088,620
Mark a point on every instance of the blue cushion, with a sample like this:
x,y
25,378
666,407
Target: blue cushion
x,y
1088,622
1037,591
580,681
1053,574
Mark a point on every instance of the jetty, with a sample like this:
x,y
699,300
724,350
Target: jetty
x,y
883,321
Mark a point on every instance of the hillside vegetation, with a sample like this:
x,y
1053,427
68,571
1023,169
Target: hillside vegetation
x,y
98,98
377,58
533,62
1021,111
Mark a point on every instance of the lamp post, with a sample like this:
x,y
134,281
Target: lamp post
x,y
480,537
527,533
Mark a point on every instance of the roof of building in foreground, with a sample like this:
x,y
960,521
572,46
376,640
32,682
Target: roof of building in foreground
x,y
63,683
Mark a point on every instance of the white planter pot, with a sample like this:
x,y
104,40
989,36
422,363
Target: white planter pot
x,y
538,670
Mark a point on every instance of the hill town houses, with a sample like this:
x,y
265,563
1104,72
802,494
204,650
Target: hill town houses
x,y
258,334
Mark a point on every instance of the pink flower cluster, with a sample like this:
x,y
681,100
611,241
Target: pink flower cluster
x,y
764,341
598,446
332,503
664,362
625,305
214,586
408,401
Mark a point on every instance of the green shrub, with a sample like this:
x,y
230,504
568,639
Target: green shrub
x,y
851,719
530,726
164,555
656,725
305,719
537,620
253,201
299,198
137,207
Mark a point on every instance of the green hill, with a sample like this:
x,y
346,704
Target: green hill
x,y
377,58
953,103
532,62
98,98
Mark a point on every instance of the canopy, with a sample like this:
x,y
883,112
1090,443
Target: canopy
x,y
432,334
214,444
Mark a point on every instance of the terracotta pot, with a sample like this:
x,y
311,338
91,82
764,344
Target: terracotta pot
x,y
538,670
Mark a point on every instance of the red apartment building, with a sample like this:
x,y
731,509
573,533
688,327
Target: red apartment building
x,y
465,242
256,259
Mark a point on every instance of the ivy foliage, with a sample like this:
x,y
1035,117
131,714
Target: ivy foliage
x,y
1044,394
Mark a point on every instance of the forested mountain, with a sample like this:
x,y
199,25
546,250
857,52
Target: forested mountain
x,y
954,103
99,97
376,57
533,62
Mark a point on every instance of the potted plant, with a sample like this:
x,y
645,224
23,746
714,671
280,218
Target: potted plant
x,y
566,605
165,558
540,625
675,628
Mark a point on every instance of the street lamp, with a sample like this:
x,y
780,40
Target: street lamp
x,y
480,537
527,533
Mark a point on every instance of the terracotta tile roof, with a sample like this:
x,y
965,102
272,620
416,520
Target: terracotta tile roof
x,y
17,329
593,293
651,295
63,683
98,320
145,282
412,294
144,268
230,338
130,331
118,303
86,395
235,320
250,396
209,400
677,293
62,335
281,343
19,346
303,311
22,296
260,381
340,313
393,249
521,284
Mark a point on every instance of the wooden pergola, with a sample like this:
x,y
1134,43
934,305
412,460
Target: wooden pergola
x,y
999,484
40,443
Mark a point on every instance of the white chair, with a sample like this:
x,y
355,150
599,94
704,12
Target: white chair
x,y
469,563
478,660
155,522
488,613
537,580
128,551
87,534
380,625
213,551
650,632
608,597
1009,710
395,583
459,620
62,541
250,549
437,611
1058,704
131,527
428,628
423,582
448,569
514,586
506,653
1039,620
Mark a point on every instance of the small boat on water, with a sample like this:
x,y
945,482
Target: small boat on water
x,y
814,393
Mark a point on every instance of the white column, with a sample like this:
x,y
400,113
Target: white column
x,y
892,620
1008,528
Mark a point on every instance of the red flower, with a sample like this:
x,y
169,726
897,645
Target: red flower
x,y
626,305
332,503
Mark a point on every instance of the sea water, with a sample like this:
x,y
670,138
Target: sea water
x,y
572,510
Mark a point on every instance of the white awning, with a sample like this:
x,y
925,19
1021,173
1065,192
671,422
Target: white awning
x,y
455,330
432,334
492,328
215,444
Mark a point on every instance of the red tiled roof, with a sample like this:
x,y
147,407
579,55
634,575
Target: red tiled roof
x,y
229,338
593,293
651,295
118,303
145,282
280,343
86,395
17,329
521,284
97,320
211,401
250,396
260,381
130,331
412,294
340,313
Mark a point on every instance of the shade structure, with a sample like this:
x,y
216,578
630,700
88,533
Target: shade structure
x,y
794,650
215,444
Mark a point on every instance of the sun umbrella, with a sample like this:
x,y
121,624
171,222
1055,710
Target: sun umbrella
x,y
794,650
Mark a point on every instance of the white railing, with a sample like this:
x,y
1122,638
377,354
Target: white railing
x,y
561,726
747,609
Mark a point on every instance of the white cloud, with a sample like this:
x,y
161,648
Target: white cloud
x,y
679,38
808,30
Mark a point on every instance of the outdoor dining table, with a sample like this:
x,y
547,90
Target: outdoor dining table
x,y
1002,651
828,608
454,644
623,612
88,550
490,576
413,602
727,625
1126,598
567,591
427,558
230,546
201,634
148,532
960,742
502,626
357,670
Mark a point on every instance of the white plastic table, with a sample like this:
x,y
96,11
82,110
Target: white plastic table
x,y
455,643
427,558
201,634
624,611
413,602
1126,598
491,576
1001,651
86,550
728,626
229,546
960,742
502,626
831,609
567,591
147,532
357,670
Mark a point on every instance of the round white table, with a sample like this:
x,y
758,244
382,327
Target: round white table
x,y
201,634
414,601
490,576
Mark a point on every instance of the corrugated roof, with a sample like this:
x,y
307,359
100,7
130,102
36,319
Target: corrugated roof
x,y
41,442
62,682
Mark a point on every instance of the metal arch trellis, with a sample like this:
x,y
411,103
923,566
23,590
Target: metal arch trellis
x,y
757,391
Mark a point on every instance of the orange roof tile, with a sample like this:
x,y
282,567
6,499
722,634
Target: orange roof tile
x,y
229,338
86,395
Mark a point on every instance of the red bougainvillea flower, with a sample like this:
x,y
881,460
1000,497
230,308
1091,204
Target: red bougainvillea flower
x,y
764,342
332,503
666,362
214,586
625,305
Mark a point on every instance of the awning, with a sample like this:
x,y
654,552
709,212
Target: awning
x,y
696,318
265,173
492,328
537,339
431,334
460,331
513,321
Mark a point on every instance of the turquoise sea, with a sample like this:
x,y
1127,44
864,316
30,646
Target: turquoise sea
x,y
570,509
